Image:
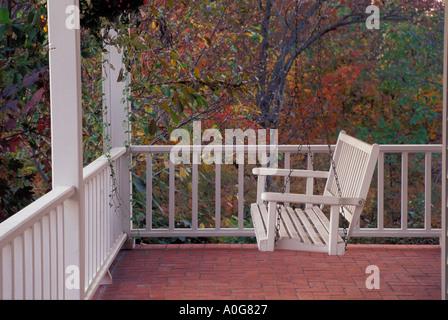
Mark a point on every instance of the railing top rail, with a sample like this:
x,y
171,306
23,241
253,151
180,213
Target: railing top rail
x,y
100,163
26,217
391,148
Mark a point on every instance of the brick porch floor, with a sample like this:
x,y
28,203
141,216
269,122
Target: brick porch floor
x,y
241,272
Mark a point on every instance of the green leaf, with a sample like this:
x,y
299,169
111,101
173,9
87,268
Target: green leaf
x,y
4,15
152,127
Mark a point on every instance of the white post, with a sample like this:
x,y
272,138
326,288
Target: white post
x,y
444,237
66,134
115,108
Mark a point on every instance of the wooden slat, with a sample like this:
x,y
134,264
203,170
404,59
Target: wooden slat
x,y
284,231
323,218
309,227
264,215
257,219
288,226
299,227
323,232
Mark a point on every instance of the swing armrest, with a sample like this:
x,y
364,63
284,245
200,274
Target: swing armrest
x,y
294,173
310,199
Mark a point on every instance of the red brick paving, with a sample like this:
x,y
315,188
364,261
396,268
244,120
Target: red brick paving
x,y
241,272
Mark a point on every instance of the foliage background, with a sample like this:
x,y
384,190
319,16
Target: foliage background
x,y
209,60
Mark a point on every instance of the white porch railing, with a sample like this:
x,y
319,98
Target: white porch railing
x,y
103,228
403,227
33,242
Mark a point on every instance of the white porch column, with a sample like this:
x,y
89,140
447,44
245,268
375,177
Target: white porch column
x,y
66,134
115,108
444,238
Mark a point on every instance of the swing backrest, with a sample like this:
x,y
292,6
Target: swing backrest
x,y
355,163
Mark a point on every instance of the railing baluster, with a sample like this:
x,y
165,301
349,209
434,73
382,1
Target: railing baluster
x,y
95,224
101,215
171,196
53,254
60,251
380,193
28,264
241,196
194,198
148,191
45,258
404,190
7,272
17,251
37,237
428,173
91,228
218,196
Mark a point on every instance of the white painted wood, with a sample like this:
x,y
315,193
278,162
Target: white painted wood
x,y
404,190
380,192
287,181
90,290
271,225
295,173
218,196
37,257
17,253
389,148
444,231
355,162
310,180
28,264
240,195
314,199
7,274
428,185
53,255
362,232
45,258
334,225
172,195
194,198
261,184
66,130
115,100
60,252
148,191
115,112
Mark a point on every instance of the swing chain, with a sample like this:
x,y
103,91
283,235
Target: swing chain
x,y
338,185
